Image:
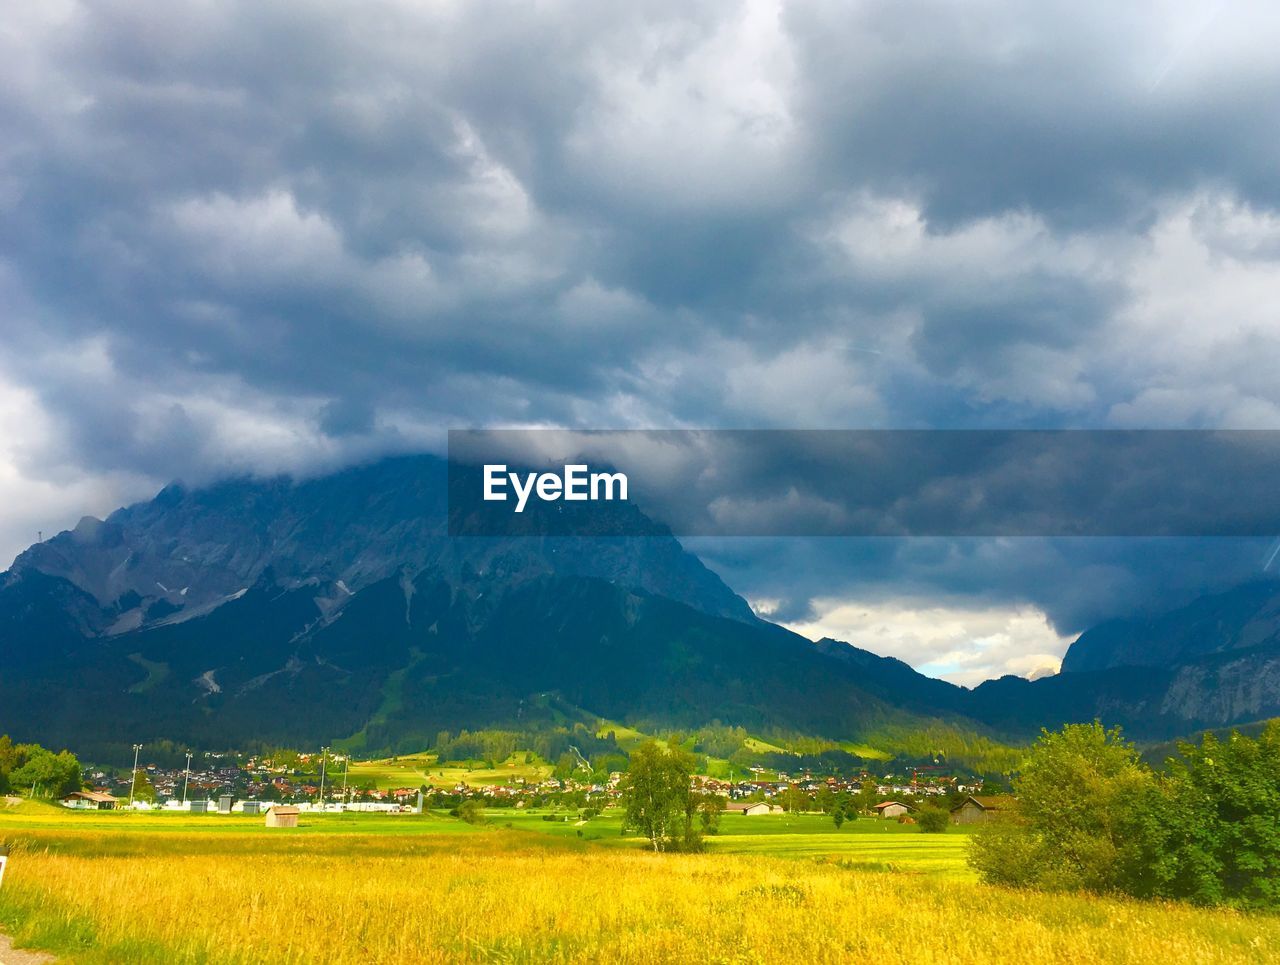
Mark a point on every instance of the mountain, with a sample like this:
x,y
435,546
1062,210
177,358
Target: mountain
x,y
1245,618
186,551
298,612
338,607
1211,663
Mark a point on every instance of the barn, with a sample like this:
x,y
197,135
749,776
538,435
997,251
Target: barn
x,y
282,816
752,808
893,809
979,810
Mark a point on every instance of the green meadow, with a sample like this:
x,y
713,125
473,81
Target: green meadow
x,y
414,770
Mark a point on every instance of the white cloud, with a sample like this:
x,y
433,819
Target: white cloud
x,y
39,496
811,385
1199,340
965,645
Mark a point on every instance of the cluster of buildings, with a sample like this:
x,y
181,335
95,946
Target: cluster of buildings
x,y
218,785
889,786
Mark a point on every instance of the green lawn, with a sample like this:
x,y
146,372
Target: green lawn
x,y
863,843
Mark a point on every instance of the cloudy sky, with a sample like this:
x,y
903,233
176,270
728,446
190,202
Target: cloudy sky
x,y
262,237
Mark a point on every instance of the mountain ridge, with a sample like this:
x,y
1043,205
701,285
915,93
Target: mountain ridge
x,y
340,606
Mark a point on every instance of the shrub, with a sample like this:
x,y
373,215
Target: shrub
x,y
933,819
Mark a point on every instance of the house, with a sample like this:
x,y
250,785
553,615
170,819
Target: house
x,y
89,801
282,816
980,809
893,809
752,808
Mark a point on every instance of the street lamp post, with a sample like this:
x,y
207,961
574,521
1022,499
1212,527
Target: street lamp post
x,y
324,757
133,785
185,778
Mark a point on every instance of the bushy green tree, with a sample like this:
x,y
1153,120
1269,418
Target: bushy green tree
x,y
1213,836
42,771
1082,794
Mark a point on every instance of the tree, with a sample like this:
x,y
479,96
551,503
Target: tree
x,y
825,800
8,760
143,789
867,795
44,772
1213,836
472,811
1077,825
565,766
844,802
710,807
933,819
794,799
657,797
837,816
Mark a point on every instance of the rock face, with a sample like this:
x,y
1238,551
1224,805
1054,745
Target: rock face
x,y
186,550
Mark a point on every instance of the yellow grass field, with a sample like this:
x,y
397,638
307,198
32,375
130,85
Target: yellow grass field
x,y
171,893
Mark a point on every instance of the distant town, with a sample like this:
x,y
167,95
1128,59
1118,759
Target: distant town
x,y
224,782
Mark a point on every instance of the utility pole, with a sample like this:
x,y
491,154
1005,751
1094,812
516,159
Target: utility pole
x,y
133,785
185,778
324,757
346,767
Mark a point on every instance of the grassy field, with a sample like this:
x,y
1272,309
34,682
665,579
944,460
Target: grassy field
x,y
414,770
103,887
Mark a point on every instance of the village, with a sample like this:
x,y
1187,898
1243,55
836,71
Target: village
x,y
220,784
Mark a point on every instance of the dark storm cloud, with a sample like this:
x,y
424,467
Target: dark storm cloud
x,y
887,483
261,237
1080,112
1077,582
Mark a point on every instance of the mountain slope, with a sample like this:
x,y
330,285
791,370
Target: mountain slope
x,y
339,608
282,612
1241,619
1211,663
407,658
